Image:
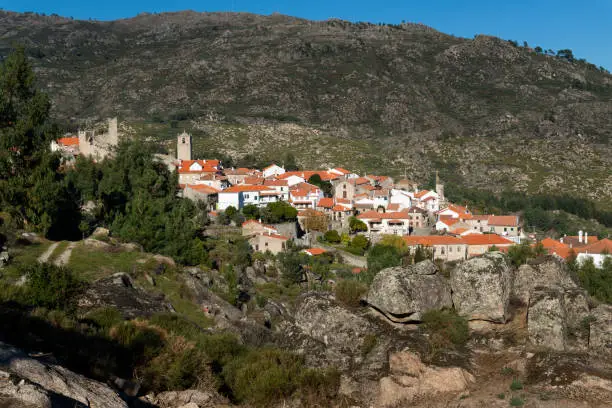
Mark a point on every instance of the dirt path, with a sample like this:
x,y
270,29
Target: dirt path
x,y
64,257
47,254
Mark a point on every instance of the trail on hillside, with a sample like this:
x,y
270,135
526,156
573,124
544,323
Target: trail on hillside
x,y
47,254
64,257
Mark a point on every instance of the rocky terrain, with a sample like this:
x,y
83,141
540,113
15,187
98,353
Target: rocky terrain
x,y
370,97
533,337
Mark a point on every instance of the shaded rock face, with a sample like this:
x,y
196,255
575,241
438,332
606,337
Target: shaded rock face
x,y
547,319
321,318
187,398
481,287
409,379
404,294
545,272
119,291
600,336
54,384
211,303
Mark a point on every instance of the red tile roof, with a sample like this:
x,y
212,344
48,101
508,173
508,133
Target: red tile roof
x,y
421,193
276,183
203,188
448,220
340,208
341,170
503,220
399,215
326,202
315,251
244,188
208,166
486,239
393,207
597,248
274,236
68,141
431,240
253,181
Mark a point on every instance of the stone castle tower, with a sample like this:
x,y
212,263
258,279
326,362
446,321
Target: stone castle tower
x,y
99,143
183,146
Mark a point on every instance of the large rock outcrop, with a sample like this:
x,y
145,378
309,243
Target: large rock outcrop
x,y
119,291
547,319
403,294
409,379
39,384
546,271
319,317
481,287
600,337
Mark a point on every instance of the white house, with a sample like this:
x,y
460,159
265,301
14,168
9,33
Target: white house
x,y
395,223
190,171
242,195
381,198
402,198
273,170
305,196
280,186
598,251
427,200
293,180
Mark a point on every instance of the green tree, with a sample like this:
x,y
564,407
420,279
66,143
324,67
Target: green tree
x,y
381,257
290,163
356,225
292,266
250,212
332,237
278,212
359,244
325,186
520,254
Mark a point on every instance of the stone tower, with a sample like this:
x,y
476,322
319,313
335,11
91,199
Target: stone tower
x,y
183,146
440,188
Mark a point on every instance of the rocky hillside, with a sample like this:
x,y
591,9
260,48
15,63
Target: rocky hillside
x,y
488,113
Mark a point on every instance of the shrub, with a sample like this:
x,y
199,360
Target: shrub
x,y
369,342
516,385
360,243
178,366
356,225
350,292
381,257
105,317
446,329
501,396
144,342
517,402
332,237
264,376
317,387
176,325
51,286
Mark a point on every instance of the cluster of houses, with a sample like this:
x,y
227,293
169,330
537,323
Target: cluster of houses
x,y
386,206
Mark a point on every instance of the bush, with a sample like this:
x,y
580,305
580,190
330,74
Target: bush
x,y
516,385
332,237
262,377
317,387
446,329
350,292
105,317
381,257
51,286
356,225
598,282
517,402
360,243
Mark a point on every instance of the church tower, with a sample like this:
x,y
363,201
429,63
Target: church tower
x,y
440,188
183,146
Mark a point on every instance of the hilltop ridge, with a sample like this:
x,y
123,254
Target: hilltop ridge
x,y
485,112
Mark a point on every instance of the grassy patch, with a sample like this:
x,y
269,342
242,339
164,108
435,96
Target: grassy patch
x,y
517,402
59,250
279,293
446,329
23,255
350,292
172,286
516,385
91,263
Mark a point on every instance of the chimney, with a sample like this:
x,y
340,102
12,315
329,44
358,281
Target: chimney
x,y
586,237
580,236
561,240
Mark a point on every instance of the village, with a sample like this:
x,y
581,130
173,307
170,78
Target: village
x,y
336,205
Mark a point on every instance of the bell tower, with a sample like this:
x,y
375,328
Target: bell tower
x,y
183,146
439,188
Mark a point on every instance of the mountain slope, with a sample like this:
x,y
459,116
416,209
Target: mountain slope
x,y
387,98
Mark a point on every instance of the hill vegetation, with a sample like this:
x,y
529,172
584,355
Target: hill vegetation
x,y
487,112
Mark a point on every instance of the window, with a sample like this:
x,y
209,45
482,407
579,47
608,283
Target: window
x,y
183,141
511,228
266,244
505,229
450,249
344,194
442,250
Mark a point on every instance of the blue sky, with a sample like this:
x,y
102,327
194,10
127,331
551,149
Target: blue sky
x,y
583,26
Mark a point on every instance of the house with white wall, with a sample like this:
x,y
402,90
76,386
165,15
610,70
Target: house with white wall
x,y
400,197
597,251
242,195
394,223
273,171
